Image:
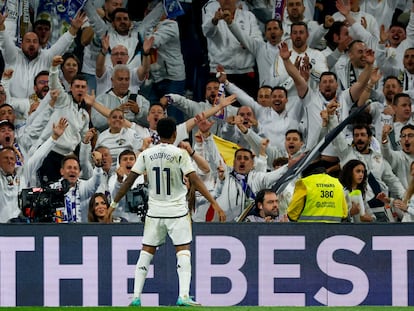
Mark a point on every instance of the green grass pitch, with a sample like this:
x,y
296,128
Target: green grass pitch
x,y
233,308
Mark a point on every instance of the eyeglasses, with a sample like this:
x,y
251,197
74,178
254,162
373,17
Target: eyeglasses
x,y
120,54
42,81
410,135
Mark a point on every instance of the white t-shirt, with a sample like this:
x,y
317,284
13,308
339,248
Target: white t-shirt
x,y
118,142
165,166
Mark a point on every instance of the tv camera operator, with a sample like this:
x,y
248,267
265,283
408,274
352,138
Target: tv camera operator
x,y
13,179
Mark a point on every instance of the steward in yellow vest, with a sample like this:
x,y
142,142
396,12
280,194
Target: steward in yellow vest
x,y
318,197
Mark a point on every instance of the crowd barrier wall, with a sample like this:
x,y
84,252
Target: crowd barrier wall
x,y
282,264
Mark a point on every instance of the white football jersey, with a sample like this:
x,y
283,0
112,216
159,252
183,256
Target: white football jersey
x,y
165,166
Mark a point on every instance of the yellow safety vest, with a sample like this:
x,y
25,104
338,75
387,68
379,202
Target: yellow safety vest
x,y
325,199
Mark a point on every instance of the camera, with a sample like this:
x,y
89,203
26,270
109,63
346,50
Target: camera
x,y
41,204
137,201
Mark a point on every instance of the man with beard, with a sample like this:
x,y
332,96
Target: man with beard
x,y
400,160
275,119
314,101
71,106
30,59
402,116
381,179
391,87
304,55
266,208
349,67
23,107
294,148
296,11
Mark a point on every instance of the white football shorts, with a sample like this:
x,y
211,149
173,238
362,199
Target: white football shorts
x,y
178,229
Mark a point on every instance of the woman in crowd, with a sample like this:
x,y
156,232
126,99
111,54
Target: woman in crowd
x,y
353,177
70,67
98,210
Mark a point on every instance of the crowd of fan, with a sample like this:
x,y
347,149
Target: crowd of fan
x,y
80,106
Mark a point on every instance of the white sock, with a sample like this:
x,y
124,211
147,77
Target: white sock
x,y
141,270
184,272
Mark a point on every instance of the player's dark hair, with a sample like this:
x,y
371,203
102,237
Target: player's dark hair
x,y
166,127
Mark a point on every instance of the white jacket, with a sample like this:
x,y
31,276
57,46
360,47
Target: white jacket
x,y
267,57
83,190
224,48
21,84
10,187
400,163
374,162
170,62
78,118
233,200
